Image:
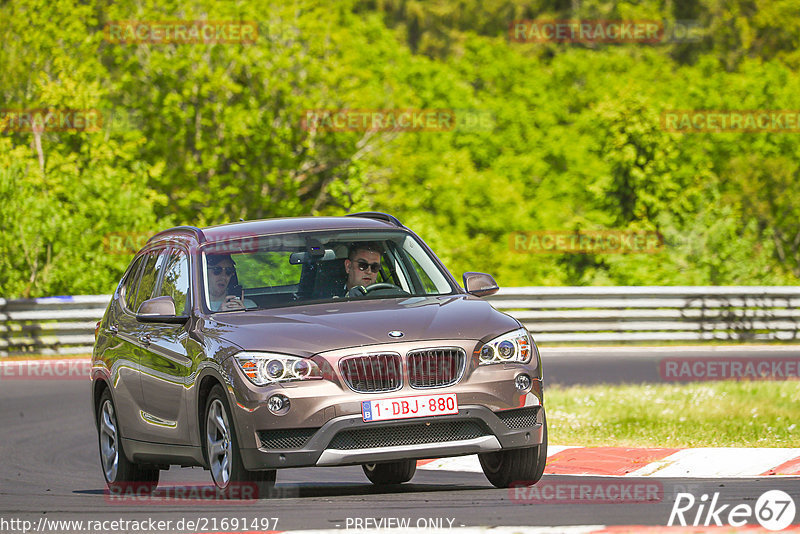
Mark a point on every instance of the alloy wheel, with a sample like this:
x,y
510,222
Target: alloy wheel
x,y
218,442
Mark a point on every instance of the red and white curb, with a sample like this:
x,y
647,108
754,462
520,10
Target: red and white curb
x,y
721,462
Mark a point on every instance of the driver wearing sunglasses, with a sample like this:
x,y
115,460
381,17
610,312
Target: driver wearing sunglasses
x,y
362,265
221,282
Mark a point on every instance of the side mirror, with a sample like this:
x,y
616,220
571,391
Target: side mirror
x,y
159,310
480,284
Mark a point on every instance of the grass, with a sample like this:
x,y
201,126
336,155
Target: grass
x,y
700,414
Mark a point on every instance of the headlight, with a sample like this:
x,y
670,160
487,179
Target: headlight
x,y
515,346
264,368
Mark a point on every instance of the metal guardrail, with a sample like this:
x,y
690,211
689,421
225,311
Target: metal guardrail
x,y
654,313
52,325
65,325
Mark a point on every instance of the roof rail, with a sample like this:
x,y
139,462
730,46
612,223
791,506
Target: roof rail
x,y
201,238
377,215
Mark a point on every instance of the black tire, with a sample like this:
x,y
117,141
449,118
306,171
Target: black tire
x,y
390,472
221,450
520,467
120,473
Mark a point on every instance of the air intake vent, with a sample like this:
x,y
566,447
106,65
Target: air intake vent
x,y
416,434
292,438
373,373
435,368
522,418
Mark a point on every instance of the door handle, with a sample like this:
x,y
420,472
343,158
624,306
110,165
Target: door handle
x,y
144,339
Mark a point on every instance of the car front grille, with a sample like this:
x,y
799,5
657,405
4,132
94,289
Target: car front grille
x,y
401,435
435,368
521,418
373,373
292,438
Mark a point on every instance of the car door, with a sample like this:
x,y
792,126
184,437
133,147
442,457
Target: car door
x,y
166,365
126,368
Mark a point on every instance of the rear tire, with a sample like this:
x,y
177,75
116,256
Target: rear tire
x,y
120,473
390,472
520,467
221,449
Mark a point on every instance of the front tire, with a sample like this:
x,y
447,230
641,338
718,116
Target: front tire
x,y
120,473
523,467
390,472
222,452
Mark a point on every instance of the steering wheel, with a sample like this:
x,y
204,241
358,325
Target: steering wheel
x,y
359,291
382,285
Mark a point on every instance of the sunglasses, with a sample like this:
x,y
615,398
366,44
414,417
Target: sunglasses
x,y
374,267
218,270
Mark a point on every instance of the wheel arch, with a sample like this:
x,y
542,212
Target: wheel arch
x,y
204,387
98,387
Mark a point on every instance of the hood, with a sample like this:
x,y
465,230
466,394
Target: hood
x,y
310,329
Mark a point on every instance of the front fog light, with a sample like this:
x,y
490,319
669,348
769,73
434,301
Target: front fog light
x,y
278,404
523,382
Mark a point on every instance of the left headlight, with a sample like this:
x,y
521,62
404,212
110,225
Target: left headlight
x,y
264,368
516,346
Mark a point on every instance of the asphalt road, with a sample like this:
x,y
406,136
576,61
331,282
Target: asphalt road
x,y
50,471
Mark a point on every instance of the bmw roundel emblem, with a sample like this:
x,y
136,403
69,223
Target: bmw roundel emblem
x,y
395,333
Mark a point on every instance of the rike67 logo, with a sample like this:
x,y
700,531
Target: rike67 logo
x,y
774,510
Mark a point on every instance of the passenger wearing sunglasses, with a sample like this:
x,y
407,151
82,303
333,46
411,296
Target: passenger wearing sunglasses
x,y
362,265
221,280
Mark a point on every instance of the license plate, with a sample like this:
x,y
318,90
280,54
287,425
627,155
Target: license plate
x,y
407,407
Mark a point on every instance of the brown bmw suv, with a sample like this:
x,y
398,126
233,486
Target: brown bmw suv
x,y
320,341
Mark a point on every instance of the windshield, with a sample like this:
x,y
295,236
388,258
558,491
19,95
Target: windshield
x,y
291,269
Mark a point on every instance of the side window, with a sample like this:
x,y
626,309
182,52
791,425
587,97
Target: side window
x,y
422,270
429,286
148,278
129,284
176,280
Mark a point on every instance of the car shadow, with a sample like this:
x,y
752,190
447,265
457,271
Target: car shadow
x,y
194,493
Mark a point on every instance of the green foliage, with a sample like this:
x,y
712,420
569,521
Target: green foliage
x,y
552,136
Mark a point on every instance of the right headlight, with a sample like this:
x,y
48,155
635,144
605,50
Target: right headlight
x,y
264,368
516,346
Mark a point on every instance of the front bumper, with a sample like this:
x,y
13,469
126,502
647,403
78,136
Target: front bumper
x,y
349,440
324,425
